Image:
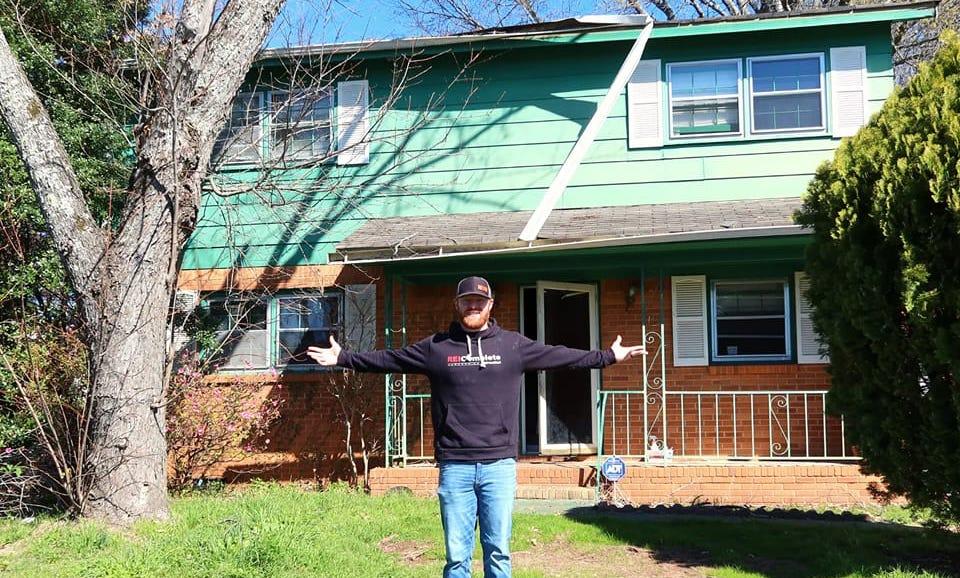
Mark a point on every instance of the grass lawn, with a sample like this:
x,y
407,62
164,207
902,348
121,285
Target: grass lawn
x,y
284,531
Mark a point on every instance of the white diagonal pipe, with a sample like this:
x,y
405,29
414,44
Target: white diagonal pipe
x,y
573,160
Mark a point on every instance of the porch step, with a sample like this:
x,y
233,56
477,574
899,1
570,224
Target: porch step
x,y
781,484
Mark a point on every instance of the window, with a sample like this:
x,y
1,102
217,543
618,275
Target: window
x,y
239,141
306,321
241,332
787,93
750,320
704,98
300,124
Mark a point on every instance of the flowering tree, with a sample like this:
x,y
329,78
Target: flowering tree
x,y
212,423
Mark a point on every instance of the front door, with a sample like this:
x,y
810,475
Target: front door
x,y
563,410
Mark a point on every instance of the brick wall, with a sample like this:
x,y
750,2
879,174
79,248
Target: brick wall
x,y
756,485
308,440
707,428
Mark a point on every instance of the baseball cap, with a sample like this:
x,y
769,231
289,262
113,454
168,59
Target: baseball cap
x,y
474,286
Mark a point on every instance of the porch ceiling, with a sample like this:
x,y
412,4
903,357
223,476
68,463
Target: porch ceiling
x,y
416,237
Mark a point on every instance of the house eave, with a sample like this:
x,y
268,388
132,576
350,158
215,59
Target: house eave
x,y
383,255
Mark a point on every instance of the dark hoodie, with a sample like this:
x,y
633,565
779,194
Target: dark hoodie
x,y
475,379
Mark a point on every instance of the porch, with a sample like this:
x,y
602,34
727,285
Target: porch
x,y
723,407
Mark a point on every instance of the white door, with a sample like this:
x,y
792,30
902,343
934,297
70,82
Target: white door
x,y
567,315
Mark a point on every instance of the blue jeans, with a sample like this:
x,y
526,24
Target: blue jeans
x,y
471,491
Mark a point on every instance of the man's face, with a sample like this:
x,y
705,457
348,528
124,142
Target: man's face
x,y
473,311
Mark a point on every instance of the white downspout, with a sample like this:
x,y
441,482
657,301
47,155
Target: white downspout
x,y
572,163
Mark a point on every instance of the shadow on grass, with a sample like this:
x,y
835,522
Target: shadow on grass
x,y
778,543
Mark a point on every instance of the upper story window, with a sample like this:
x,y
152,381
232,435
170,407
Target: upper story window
x,y
306,321
240,139
751,98
787,93
241,332
704,98
300,125
751,320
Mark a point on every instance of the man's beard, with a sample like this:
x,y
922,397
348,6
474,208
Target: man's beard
x,y
473,321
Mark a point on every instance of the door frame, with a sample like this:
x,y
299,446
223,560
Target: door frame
x,y
593,320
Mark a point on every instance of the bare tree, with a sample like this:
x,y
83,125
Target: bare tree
x,y
124,279
916,42
456,16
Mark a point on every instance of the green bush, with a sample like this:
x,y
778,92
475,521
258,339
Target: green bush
x,y
885,281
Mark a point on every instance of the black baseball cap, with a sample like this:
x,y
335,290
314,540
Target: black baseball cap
x,y
474,286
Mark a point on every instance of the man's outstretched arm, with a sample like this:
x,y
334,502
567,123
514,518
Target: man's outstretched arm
x,y
536,355
410,359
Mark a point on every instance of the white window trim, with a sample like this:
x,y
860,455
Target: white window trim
x,y
261,106
671,99
787,332
268,132
276,319
822,90
269,360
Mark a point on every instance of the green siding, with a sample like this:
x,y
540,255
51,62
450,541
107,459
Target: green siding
x,y
495,139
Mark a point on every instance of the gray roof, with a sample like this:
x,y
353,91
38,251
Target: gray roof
x,y
410,236
567,25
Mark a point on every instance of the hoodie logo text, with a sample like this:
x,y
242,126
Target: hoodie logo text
x,y
468,360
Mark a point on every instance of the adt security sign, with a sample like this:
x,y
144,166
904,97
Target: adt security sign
x,y
613,468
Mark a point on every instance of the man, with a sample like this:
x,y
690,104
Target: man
x,y
475,371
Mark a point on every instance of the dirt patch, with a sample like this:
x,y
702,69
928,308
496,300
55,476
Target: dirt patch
x,y
407,551
561,559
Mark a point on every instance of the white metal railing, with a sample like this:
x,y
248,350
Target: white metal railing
x,y
768,424
406,423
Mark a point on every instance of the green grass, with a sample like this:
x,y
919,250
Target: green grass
x,y
284,531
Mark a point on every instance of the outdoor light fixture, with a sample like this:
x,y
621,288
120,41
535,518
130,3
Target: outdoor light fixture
x,y
631,294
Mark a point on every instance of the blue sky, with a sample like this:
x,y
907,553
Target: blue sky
x,y
330,21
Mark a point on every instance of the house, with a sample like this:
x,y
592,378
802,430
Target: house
x,y
351,203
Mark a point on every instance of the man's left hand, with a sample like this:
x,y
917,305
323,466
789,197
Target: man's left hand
x,y
622,352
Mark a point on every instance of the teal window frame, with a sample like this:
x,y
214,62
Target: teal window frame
x,y
314,153
268,356
272,303
219,158
672,132
789,332
753,94
335,329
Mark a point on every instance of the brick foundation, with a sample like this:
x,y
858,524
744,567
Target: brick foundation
x,y
735,484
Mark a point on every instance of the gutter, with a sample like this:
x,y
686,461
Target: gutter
x,y
635,240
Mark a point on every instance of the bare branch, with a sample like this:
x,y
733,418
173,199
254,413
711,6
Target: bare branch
x,y
233,43
527,7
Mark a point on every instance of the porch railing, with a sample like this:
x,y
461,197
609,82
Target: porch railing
x,y
753,424
407,424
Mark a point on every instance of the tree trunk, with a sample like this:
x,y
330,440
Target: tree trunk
x,y
128,446
125,282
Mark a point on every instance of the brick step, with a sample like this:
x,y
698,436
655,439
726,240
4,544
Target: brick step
x,y
538,492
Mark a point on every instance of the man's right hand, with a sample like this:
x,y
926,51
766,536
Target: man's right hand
x,y
326,356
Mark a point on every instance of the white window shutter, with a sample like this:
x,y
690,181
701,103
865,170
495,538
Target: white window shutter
x,y
353,102
360,317
848,89
689,320
808,341
644,118
184,302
